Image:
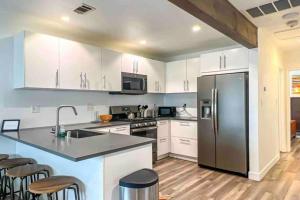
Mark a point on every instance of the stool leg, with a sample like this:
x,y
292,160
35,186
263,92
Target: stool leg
x,y
12,188
78,192
56,196
49,196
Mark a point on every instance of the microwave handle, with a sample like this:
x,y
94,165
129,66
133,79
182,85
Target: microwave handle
x,y
144,84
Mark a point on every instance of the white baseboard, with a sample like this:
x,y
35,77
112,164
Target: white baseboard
x,y
258,176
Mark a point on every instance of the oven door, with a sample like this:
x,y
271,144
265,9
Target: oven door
x,y
134,83
148,132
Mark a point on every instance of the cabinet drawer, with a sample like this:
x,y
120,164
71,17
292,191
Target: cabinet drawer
x,y
105,130
184,146
163,129
163,146
186,129
120,130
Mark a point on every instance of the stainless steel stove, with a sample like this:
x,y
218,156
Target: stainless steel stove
x,y
141,127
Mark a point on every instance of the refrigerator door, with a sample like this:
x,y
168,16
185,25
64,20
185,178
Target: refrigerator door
x,y
232,128
206,135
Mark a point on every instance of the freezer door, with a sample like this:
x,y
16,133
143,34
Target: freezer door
x,y
206,135
232,131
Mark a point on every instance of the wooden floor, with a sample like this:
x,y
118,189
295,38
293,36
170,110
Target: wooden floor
x,y
184,180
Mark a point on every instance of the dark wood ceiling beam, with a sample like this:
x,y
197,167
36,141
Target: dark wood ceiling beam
x,y
224,17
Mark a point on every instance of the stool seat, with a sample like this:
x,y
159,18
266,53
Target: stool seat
x,y
15,162
52,184
3,156
27,170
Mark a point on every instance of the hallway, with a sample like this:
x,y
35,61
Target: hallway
x,y
184,180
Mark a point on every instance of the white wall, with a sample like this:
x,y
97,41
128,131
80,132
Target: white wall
x,y
270,62
17,103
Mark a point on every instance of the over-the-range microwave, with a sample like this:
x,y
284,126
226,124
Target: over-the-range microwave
x,y
133,84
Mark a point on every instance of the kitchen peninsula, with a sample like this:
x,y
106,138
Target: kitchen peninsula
x,y
98,161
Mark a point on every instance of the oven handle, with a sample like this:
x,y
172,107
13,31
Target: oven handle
x,y
143,129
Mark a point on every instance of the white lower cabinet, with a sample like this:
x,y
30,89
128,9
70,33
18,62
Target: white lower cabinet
x,y
184,146
125,129
163,137
183,128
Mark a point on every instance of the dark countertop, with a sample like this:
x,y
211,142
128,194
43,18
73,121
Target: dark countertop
x,y
178,118
77,149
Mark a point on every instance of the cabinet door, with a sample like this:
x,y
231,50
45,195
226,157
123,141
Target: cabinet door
x,y
111,70
91,67
125,130
163,129
155,71
211,62
41,60
184,146
163,146
235,59
193,72
129,63
176,77
140,68
185,129
71,65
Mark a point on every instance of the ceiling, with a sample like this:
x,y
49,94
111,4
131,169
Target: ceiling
x,y
274,22
116,24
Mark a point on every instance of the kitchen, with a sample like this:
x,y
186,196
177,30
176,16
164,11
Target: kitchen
x,y
156,94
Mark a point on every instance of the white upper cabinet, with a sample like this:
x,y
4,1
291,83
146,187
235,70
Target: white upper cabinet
x,y
36,61
155,71
79,65
235,59
211,62
111,64
182,75
132,64
225,61
192,73
176,77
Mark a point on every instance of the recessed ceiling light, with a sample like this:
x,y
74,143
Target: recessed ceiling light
x,y
143,42
196,28
65,18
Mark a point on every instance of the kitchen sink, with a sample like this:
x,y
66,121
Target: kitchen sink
x,y
84,133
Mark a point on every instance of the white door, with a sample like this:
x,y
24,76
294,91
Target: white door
x,y
235,59
160,68
211,62
139,65
111,70
176,77
91,67
129,64
41,60
71,65
193,72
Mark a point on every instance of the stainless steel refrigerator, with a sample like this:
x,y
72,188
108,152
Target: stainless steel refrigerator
x,y
223,122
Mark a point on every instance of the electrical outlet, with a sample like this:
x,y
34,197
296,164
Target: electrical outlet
x,y
90,107
35,109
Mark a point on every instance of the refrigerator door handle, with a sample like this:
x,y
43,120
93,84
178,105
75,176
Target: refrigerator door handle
x,y
213,110
216,112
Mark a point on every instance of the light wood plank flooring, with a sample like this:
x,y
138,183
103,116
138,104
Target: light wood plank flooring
x,y
184,180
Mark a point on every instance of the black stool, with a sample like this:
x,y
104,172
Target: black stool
x,y
2,157
9,164
53,185
31,172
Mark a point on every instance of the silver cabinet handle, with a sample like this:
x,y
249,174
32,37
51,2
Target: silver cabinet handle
x,y
220,62
186,142
184,86
188,85
224,62
104,82
85,81
81,80
163,140
56,78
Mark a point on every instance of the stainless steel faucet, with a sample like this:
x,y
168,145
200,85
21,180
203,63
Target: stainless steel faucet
x,y
57,127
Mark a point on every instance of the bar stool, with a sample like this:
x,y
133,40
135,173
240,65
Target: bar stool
x,y
53,185
2,157
25,172
8,164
